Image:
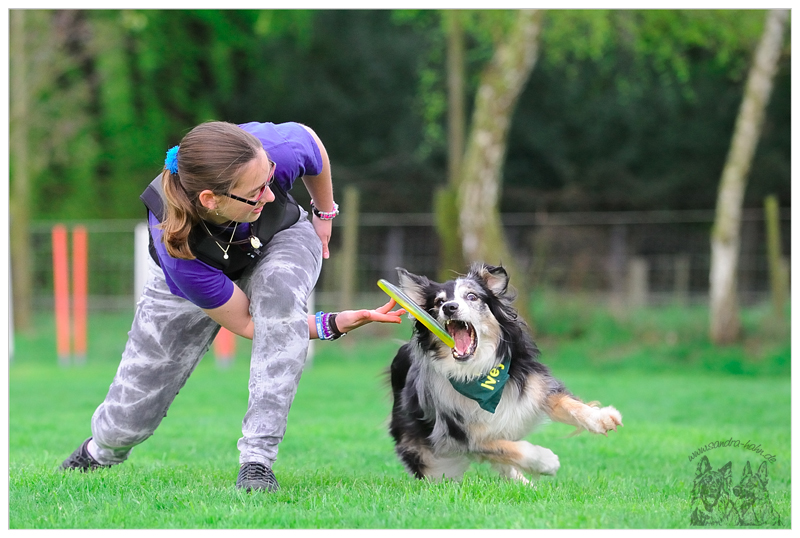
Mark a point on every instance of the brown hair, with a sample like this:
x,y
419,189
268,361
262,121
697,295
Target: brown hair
x,y
210,156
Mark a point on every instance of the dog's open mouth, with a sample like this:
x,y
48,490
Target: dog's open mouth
x,y
464,336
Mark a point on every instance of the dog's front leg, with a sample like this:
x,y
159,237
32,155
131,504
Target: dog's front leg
x,y
509,457
564,408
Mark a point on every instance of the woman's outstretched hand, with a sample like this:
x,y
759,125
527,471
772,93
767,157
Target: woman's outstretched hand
x,y
347,320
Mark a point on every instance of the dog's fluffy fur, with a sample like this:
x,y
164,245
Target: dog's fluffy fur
x,y
437,431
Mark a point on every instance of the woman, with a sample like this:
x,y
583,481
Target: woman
x,y
229,247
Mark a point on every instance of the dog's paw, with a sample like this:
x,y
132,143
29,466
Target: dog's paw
x,y
542,461
603,420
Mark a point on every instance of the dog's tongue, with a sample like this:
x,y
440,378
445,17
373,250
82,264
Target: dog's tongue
x,y
462,340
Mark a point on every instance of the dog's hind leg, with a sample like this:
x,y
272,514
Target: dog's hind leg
x,y
420,461
443,467
519,455
565,408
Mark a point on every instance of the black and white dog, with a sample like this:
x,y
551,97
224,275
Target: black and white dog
x,y
476,402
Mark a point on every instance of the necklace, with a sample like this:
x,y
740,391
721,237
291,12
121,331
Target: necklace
x,y
224,250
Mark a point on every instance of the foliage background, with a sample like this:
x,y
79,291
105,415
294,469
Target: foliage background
x,y
624,110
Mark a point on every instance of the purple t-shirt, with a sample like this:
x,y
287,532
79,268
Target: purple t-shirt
x,y
295,153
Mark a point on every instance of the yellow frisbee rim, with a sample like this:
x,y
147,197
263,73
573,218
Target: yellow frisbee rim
x,y
414,309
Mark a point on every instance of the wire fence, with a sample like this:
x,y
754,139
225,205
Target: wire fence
x,y
638,257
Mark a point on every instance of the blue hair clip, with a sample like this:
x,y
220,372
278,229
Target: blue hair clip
x,y
171,162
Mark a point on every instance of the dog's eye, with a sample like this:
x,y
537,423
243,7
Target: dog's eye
x,y
438,302
472,297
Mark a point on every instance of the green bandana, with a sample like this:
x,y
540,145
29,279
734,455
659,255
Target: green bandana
x,y
487,389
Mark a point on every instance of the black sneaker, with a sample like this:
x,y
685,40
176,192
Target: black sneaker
x,y
82,460
256,476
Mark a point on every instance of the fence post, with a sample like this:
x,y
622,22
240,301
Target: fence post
x,y
224,347
393,252
540,240
617,263
10,318
637,281
80,281
349,247
777,273
61,292
682,276
141,257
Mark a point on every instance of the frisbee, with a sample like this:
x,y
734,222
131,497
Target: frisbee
x,y
415,310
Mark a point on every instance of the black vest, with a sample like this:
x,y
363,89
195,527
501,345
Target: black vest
x,y
276,216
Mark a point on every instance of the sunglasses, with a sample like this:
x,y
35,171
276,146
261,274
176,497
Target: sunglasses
x,y
261,191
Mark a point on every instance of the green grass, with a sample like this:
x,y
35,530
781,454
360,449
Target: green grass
x,y
336,465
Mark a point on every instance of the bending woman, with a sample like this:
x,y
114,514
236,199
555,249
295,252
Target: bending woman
x,y
229,247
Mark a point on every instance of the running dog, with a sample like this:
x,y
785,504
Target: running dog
x,y
476,401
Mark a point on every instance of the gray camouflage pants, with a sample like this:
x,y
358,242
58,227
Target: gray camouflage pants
x,y
170,335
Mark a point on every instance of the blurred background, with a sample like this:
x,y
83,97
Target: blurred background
x,y
588,151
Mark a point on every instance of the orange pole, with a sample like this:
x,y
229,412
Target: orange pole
x,y
61,292
224,346
79,288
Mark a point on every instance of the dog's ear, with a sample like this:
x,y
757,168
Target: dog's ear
x,y
413,285
495,277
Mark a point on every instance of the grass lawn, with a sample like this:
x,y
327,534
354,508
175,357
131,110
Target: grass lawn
x,y
337,468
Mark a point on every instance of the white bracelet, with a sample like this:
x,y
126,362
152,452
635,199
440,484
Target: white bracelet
x,y
325,215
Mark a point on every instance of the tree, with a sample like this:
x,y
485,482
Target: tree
x,y
20,195
725,325
501,83
445,208
48,154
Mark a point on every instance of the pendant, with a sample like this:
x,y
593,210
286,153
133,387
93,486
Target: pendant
x,y
255,241
225,257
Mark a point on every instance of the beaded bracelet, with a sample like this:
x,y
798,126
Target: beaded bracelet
x,y
326,326
325,215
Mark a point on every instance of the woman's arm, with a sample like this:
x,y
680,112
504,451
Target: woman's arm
x,y
347,320
234,315
320,187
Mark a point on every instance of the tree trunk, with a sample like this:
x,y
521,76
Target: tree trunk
x,y
725,325
451,257
22,284
501,83
456,121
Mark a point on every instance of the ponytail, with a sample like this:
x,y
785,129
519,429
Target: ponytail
x,y
181,215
